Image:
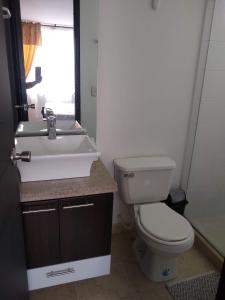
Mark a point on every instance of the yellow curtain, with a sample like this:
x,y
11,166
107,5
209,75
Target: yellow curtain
x,y
31,40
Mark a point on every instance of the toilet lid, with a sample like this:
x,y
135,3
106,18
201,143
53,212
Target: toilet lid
x,y
164,223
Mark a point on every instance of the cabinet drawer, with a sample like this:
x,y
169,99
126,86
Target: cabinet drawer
x,y
68,272
41,230
85,226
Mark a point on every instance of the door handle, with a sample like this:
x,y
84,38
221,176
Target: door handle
x,y
24,156
78,206
6,14
25,107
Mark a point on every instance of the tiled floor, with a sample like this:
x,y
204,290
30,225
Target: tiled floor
x,y
212,228
126,281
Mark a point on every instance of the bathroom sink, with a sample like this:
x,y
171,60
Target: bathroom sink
x,y
65,157
39,128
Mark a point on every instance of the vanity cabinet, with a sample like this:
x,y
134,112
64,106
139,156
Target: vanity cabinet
x,y
64,230
41,231
85,227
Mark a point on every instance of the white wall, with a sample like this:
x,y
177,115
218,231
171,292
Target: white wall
x,y
89,62
206,189
147,64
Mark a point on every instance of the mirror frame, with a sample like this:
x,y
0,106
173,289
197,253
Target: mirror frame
x,y
76,30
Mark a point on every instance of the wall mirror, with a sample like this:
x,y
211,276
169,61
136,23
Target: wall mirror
x,y
59,50
48,48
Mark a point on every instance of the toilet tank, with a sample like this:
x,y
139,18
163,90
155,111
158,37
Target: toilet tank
x,y
144,179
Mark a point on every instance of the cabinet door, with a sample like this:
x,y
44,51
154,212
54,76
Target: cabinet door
x,y
85,227
41,227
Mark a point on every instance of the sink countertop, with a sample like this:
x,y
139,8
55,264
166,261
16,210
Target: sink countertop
x,y
99,182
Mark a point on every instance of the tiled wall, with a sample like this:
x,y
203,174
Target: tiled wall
x,y
206,188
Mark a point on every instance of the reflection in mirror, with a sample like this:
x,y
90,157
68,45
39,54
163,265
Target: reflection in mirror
x,y
48,45
88,63
49,59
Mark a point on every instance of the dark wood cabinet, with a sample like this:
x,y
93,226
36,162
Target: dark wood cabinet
x,y
85,227
63,230
41,228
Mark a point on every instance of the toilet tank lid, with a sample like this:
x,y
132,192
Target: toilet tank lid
x,y
145,163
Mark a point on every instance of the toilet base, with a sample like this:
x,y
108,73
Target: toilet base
x,y
155,267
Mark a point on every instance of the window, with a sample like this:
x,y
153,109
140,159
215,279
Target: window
x,y
56,58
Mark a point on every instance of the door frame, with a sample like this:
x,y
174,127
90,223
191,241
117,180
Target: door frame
x,y
197,93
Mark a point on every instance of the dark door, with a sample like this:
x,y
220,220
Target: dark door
x,y
14,46
13,279
41,229
85,227
221,288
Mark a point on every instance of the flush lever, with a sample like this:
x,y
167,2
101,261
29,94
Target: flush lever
x,y
24,156
129,175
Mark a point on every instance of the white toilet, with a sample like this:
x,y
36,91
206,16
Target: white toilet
x,y
163,234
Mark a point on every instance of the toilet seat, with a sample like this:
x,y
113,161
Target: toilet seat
x,y
163,224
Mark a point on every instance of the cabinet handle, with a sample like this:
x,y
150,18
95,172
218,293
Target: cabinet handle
x,y
60,272
78,206
38,211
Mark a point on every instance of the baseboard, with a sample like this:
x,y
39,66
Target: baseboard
x,y
39,278
117,228
203,245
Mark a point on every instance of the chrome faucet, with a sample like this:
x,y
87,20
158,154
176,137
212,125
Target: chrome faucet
x,y
51,126
46,112
49,112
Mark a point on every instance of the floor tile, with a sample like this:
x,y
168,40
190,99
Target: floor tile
x,y
122,247
126,281
61,292
114,286
193,263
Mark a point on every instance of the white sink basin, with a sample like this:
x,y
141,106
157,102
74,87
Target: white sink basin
x,y
66,157
39,128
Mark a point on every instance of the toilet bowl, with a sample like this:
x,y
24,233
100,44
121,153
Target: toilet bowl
x,y
162,243
162,234
174,236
